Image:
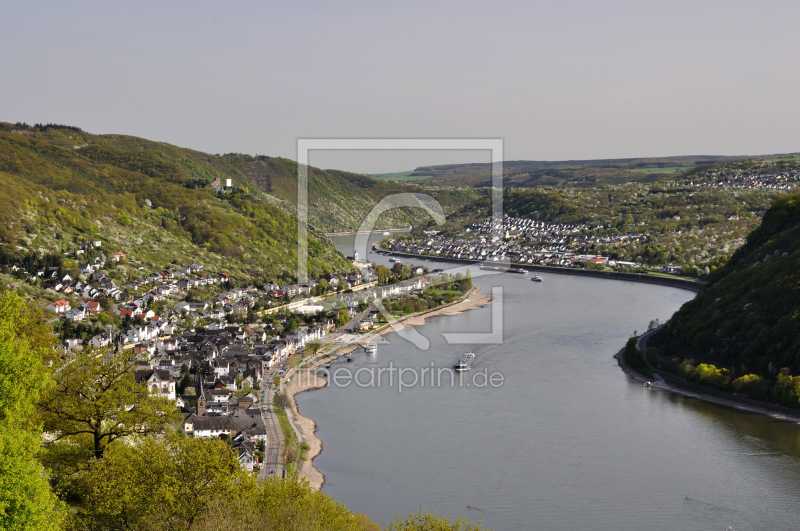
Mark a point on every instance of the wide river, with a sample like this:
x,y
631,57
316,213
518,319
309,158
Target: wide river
x,y
567,441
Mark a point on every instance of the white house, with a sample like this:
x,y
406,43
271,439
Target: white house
x,y
162,383
75,314
103,339
59,306
207,426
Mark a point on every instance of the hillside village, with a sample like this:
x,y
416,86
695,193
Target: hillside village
x,y
520,240
209,346
779,181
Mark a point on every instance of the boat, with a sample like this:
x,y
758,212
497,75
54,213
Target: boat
x,y
386,234
396,260
521,271
371,348
537,278
464,361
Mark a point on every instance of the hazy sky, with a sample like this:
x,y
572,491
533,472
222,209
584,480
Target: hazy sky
x,y
555,79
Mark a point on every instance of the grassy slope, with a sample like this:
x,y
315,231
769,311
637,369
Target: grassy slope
x,y
748,320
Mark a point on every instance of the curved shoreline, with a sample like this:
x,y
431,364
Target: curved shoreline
x,y
612,275
659,383
308,380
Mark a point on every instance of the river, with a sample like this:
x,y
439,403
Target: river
x,y
567,441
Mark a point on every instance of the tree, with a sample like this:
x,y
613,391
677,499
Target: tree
x,y
184,383
433,521
282,505
384,275
342,317
160,483
313,347
107,303
282,401
95,401
26,501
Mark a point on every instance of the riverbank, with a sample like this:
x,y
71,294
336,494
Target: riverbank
x,y
673,282
657,382
309,380
473,301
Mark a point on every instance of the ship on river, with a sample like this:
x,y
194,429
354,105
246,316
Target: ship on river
x,y
464,361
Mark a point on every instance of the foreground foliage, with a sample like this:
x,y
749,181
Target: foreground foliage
x,y
26,501
93,402
118,461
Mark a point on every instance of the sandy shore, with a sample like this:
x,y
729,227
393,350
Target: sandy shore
x,y
659,383
473,301
307,380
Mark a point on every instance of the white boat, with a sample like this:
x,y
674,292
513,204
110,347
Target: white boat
x,y
464,361
537,278
371,348
386,234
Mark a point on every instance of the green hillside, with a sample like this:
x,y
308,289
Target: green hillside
x,y
338,200
746,324
62,186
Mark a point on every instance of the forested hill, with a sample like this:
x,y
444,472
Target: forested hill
x,y
62,186
338,200
748,319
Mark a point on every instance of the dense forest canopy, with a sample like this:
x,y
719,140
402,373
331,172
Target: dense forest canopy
x,y
748,320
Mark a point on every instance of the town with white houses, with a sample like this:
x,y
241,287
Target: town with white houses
x,y
751,181
519,240
214,356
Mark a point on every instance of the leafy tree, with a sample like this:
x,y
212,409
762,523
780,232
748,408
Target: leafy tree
x,y
342,317
26,501
632,355
184,383
751,385
431,520
313,347
282,505
94,402
384,275
159,483
282,401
